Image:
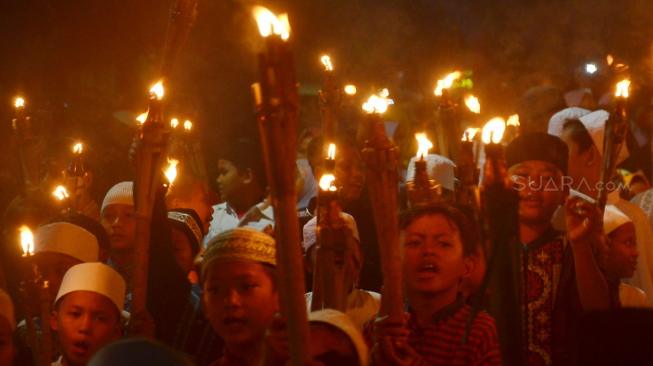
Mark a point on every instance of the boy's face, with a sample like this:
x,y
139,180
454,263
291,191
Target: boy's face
x,y
433,256
183,250
240,300
52,267
349,173
621,260
7,349
229,181
330,346
540,189
85,321
120,223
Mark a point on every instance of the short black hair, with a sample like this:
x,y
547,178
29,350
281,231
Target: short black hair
x,y
467,227
578,133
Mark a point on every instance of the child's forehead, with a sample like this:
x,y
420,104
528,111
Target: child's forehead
x,y
433,223
88,300
233,268
536,166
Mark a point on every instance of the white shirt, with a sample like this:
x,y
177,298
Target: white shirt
x,y
362,306
632,297
224,218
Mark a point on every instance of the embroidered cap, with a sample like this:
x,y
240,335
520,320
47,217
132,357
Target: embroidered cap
x,y
187,221
241,243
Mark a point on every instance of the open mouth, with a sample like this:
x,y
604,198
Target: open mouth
x,y
427,270
81,348
233,321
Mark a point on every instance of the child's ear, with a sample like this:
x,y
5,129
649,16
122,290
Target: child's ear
x,y
53,321
469,263
248,176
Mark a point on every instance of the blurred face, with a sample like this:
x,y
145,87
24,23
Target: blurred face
x,y
229,181
621,259
183,250
349,173
540,189
331,347
85,322
433,256
53,266
120,223
7,350
240,300
199,201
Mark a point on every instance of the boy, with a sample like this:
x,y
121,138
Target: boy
x,y
87,312
190,192
119,220
438,242
239,293
7,328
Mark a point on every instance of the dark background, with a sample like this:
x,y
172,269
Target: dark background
x,y
80,62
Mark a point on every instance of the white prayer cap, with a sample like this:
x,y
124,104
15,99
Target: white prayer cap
x,y
557,121
7,309
310,230
575,98
595,124
344,324
66,238
120,194
613,218
439,168
95,277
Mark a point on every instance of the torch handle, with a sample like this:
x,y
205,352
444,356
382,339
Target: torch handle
x,y
46,334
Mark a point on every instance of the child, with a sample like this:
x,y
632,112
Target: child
x,y
87,312
7,328
239,293
186,235
119,220
190,192
438,242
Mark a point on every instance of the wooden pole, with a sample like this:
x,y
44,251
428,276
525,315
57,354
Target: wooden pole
x,y
616,128
46,348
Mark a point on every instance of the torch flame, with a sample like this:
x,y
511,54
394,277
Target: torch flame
x,y
60,193
447,82
26,240
609,59
378,103
327,183
78,148
19,102
513,121
142,117
174,123
423,145
493,130
350,89
331,152
326,61
470,134
623,89
157,90
171,170
270,23
188,125
473,104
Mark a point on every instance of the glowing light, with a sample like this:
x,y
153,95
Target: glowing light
x,y
171,171
591,68
26,240
331,152
326,61
623,89
470,133
378,103
447,82
19,102
423,145
513,121
270,23
327,183
157,90
142,117
188,125
78,148
174,123
60,193
473,104
609,60
493,130
350,89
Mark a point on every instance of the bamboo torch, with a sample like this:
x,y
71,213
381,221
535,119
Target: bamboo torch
x,y
423,190
616,128
330,97
77,177
381,157
447,127
22,127
276,100
467,172
26,291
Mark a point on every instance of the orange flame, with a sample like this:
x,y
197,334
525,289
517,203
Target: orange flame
x,y
327,183
188,125
142,117
493,130
171,171
350,89
174,123
26,240
19,102
378,103
473,104
623,89
513,121
326,61
157,90
447,82
270,23
60,193
78,148
331,151
423,145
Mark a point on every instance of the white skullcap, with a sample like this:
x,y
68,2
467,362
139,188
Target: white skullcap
x,y
574,98
310,230
439,168
66,238
557,121
344,324
595,124
95,277
7,309
613,218
120,194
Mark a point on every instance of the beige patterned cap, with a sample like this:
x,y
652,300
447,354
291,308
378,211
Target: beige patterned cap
x,y
241,243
